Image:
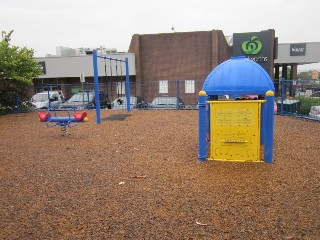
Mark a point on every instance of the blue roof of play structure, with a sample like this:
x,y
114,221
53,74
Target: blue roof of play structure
x,y
238,76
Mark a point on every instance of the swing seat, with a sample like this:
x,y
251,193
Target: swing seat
x,y
43,116
79,117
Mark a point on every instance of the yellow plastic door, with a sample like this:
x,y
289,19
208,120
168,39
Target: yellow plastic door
x,y
235,130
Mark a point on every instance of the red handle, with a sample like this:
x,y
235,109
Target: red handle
x,y
79,117
43,116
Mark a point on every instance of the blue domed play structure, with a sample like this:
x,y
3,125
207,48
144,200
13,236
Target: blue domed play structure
x,y
238,76
239,127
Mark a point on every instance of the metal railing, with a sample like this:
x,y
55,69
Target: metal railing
x,y
299,98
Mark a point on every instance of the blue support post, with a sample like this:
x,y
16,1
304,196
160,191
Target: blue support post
x,y
269,123
282,95
96,85
127,85
17,103
49,102
177,93
202,154
263,123
88,102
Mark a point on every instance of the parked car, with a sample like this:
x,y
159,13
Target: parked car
x,y
167,103
44,100
135,103
315,112
315,95
86,100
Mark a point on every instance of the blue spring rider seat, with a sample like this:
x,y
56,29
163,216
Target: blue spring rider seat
x,y
63,122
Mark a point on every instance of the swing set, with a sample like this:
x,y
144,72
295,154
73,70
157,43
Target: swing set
x,y
108,69
96,80
51,117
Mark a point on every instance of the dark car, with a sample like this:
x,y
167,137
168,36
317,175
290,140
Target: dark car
x,y
135,103
86,100
315,95
167,103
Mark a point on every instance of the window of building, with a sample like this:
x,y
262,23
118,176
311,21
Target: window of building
x,y
121,87
189,86
163,86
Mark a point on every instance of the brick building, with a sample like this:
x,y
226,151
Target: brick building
x,y
176,58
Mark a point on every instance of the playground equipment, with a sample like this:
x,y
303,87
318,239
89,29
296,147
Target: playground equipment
x,y
239,128
63,122
96,80
74,121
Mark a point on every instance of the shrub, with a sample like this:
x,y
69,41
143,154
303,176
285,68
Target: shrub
x,y
306,103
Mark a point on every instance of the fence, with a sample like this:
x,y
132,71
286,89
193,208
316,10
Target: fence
x,y
182,94
300,98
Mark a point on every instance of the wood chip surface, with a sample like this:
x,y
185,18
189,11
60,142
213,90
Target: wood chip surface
x,y
67,187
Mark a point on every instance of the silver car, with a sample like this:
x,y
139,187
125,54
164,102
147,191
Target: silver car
x,y
120,103
86,100
167,103
315,112
51,99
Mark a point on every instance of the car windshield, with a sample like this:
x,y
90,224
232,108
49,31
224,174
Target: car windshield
x,y
165,101
79,97
40,97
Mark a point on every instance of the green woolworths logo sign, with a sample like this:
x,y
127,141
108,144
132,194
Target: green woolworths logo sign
x,y
253,46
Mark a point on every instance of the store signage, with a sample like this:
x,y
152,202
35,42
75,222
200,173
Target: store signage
x,y
252,47
298,49
256,46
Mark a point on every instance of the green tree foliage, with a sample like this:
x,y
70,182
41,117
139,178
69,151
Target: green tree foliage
x,y
305,75
17,70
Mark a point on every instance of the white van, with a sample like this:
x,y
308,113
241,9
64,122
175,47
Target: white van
x,y
41,100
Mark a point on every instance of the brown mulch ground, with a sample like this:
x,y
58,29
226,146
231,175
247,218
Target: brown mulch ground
x,y
139,178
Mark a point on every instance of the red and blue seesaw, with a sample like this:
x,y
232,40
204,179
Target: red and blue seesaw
x,y
63,122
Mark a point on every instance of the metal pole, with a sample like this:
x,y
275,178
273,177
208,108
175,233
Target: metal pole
x,y
177,93
88,95
269,123
282,94
82,94
49,102
202,153
127,85
82,90
96,85
17,103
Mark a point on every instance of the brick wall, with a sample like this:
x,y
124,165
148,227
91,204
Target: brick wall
x,y
172,56
177,56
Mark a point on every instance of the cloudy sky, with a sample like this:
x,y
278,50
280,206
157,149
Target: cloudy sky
x,y
44,24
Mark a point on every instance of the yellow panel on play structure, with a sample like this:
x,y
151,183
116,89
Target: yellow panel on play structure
x,y
235,130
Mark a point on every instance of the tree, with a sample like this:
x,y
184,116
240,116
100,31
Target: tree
x,y
304,75
17,70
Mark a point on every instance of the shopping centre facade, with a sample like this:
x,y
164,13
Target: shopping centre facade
x,y
182,56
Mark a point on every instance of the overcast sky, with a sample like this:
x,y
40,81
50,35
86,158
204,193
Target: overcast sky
x,y
44,24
